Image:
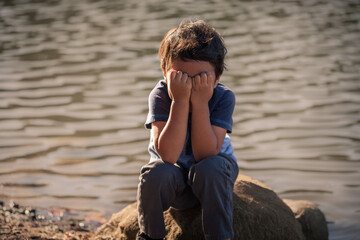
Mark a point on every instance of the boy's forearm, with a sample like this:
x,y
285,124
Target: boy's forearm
x,y
203,139
173,135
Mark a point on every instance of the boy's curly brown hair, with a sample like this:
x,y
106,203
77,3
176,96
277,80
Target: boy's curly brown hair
x,y
193,40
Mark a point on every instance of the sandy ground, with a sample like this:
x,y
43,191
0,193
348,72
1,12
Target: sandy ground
x,y
18,222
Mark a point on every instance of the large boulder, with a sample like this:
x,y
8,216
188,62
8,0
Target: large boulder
x,y
258,214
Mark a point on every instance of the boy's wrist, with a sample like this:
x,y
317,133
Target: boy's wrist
x,y
199,104
197,99
182,102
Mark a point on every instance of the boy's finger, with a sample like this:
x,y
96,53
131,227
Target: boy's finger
x,y
172,74
204,78
197,80
178,75
189,81
210,78
184,77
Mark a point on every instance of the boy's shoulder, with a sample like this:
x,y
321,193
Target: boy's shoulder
x,y
223,98
159,88
159,92
223,87
160,85
222,91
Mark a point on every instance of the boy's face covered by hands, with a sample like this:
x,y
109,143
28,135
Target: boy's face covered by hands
x,y
191,80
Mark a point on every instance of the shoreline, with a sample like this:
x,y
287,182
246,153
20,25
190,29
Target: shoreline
x,y
23,222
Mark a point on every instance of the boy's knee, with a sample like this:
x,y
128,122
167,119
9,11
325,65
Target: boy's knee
x,y
210,168
158,172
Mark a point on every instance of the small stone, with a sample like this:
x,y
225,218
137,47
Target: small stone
x,y
31,213
12,204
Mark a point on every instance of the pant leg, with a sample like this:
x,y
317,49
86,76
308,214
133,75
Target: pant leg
x,y
212,181
160,183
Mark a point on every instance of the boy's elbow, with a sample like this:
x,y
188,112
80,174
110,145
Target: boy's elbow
x,y
208,152
169,159
166,157
201,156
217,150
214,151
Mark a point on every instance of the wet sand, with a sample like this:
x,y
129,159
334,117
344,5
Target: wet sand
x,y
75,77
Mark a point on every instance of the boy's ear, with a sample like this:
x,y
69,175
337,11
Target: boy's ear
x,y
164,75
217,81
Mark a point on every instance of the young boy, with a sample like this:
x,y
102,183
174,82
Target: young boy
x,y
190,114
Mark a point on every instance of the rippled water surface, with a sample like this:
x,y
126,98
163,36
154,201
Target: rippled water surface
x,y
75,76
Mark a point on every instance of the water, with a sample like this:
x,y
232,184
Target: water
x,y
75,76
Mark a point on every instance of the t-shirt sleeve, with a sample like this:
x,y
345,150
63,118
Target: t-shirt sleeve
x,y
221,116
159,105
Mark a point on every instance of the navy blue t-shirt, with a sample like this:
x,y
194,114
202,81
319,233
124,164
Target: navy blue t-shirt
x,y
221,107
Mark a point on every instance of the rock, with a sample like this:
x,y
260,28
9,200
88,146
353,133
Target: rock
x,y
122,225
312,220
258,214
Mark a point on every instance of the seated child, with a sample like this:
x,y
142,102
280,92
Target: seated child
x,y
190,114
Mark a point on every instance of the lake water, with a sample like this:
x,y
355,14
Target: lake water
x,y
75,77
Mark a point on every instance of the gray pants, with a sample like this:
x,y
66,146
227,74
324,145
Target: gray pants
x,y
209,183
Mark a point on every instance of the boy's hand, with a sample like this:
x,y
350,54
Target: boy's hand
x,y
179,85
202,88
